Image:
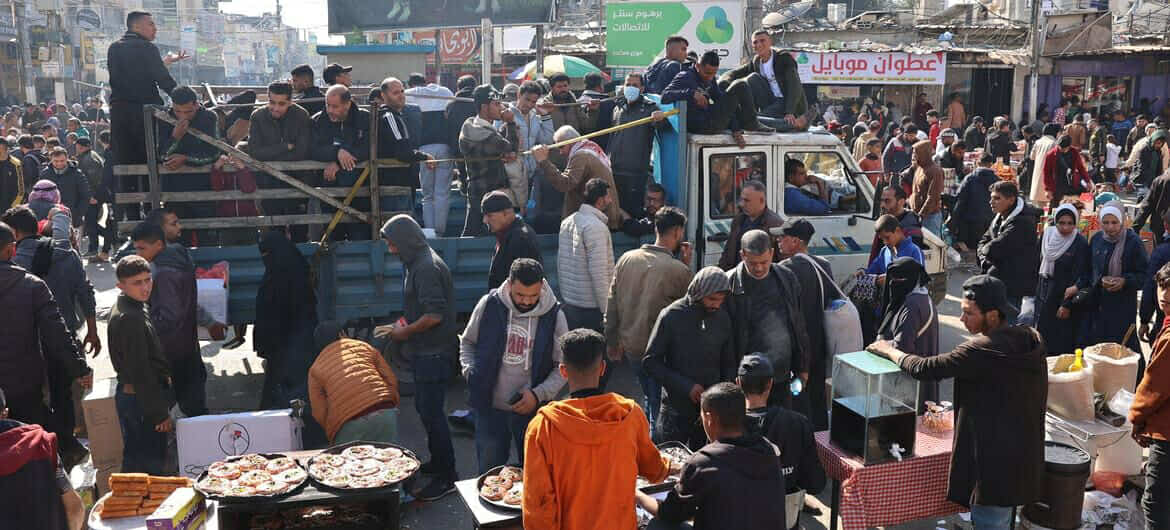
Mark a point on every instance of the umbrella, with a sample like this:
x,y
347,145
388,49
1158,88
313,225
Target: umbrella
x,y
574,67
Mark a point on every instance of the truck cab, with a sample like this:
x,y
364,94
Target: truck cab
x,y
711,173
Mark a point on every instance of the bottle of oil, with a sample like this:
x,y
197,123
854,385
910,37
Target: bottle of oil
x,y
1079,363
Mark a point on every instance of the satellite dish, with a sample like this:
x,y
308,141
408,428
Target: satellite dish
x,y
791,12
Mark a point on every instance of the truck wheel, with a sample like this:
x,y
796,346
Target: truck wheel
x,y
938,287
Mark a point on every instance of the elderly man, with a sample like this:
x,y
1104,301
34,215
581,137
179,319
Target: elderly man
x,y
776,87
514,238
629,149
587,161
341,137
754,214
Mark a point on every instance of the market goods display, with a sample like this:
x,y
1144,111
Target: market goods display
x,y
137,494
502,487
939,417
362,466
253,475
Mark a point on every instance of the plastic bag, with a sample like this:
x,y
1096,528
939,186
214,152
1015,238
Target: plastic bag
x,y
1121,402
1070,394
217,271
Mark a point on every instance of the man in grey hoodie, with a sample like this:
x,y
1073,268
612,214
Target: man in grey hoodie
x,y
508,352
429,340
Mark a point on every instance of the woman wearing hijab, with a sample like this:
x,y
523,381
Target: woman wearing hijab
x,y
910,320
1064,271
1118,272
286,315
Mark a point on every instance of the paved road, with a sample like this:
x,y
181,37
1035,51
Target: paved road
x,y
235,378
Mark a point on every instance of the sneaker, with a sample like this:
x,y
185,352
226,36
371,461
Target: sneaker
x,y
435,490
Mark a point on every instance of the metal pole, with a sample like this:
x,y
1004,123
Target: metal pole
x,y
30,92
375,195
152,157
1034,72
540,50
485,50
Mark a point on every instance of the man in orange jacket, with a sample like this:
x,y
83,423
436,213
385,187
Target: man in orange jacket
x,y
564,487
1150,416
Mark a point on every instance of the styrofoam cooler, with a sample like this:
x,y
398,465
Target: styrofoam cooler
x,y
203,440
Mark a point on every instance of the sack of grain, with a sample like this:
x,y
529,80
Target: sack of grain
x,y
1070,394
1114,367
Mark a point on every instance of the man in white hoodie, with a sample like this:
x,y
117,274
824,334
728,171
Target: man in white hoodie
x,y
509,353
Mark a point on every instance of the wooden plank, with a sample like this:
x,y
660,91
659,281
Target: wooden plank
x,y
375,205
300,165
236,195
151,157
250,222
262,166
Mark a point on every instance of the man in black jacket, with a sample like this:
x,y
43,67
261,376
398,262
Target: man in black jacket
x,y
137,73
71,182
1155,204
33,478
457,113
303,88
34,331
733,482
177,149
976,134
815,275
514,238
999,142
1009,250
629,149
776,86
396,141
30,161
691,347
341,136
765,308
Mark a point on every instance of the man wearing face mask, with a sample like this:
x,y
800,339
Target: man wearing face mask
x,y
692,347
629,149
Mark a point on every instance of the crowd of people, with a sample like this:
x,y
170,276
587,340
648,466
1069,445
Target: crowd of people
x,y
731,360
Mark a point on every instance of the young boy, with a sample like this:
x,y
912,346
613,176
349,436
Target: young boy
x,y
871,163
896,245
789,430
143,395
1112,158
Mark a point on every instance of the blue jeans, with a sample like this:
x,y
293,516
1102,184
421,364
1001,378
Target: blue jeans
x,y
933,222
430,377
436,188
991,517
143,449
495,432
1156,500
652,392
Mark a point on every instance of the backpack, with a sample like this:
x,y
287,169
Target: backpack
x,y
43,258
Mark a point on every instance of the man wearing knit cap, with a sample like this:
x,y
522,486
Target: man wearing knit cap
x,y
428,339
691,348
514,238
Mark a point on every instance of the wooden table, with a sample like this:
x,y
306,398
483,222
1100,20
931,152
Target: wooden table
x,y
483,515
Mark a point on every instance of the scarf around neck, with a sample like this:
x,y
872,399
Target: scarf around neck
x,y
590,147
1055,244
1115,257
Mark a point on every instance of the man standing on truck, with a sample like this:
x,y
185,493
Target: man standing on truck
x,y
564,108
177,149
775,84
281,131
487,149
713,109
754,214
629,149
341,137
304,88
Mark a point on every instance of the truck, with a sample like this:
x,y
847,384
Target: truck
x,y
703,175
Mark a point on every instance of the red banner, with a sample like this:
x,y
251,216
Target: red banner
x,y
459,46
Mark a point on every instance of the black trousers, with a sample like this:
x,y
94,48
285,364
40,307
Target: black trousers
x,y
736,105
128,135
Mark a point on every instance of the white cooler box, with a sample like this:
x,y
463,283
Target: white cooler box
x,y
206,439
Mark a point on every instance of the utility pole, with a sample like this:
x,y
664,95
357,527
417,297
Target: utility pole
x,y
485,50
1034,75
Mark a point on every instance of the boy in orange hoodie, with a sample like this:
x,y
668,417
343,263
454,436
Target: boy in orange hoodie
x,y
565,488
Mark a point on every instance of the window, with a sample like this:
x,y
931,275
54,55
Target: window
x,y
841,190
728,173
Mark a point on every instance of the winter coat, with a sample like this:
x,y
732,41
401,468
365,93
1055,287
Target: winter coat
x,y
577,116
269,138
199,153
661,73
138,358
998,458
504,352
793,434
690,346
313,92
819,293
518,241
66,279
351,134
31,164
428,289
32,334
729,483
585,259
1149,164
1077,179
1115,312
1000,145
784,70
740,225
1149,403
137,71
582,168
93,167
1155,203
645,280
434,112
739,306
174,304
12,190
629,149
683,87
480,139
1010,251
896,156
974,137
348,379
972,204
457,114
74,188
285,302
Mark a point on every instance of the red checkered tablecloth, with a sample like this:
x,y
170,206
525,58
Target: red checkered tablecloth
x,y
893,492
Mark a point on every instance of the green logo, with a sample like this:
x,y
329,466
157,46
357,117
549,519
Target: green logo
x,y
803,59
714,29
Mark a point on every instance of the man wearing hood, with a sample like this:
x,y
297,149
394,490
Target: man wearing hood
x,y
584,453
629,149
765,309
926,197
1010,250
508,353
32,478
175,313
692,347
998,459
429,340
1149,159
488,148
735,481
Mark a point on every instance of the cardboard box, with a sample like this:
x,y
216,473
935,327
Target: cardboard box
x,y
184,509
203,440
101,423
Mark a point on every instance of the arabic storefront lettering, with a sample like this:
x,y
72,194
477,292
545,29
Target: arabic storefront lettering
x,y
889,68
459,46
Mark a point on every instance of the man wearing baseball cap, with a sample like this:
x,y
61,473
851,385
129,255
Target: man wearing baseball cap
x,y
815,275
1001,390
486,148
335,74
